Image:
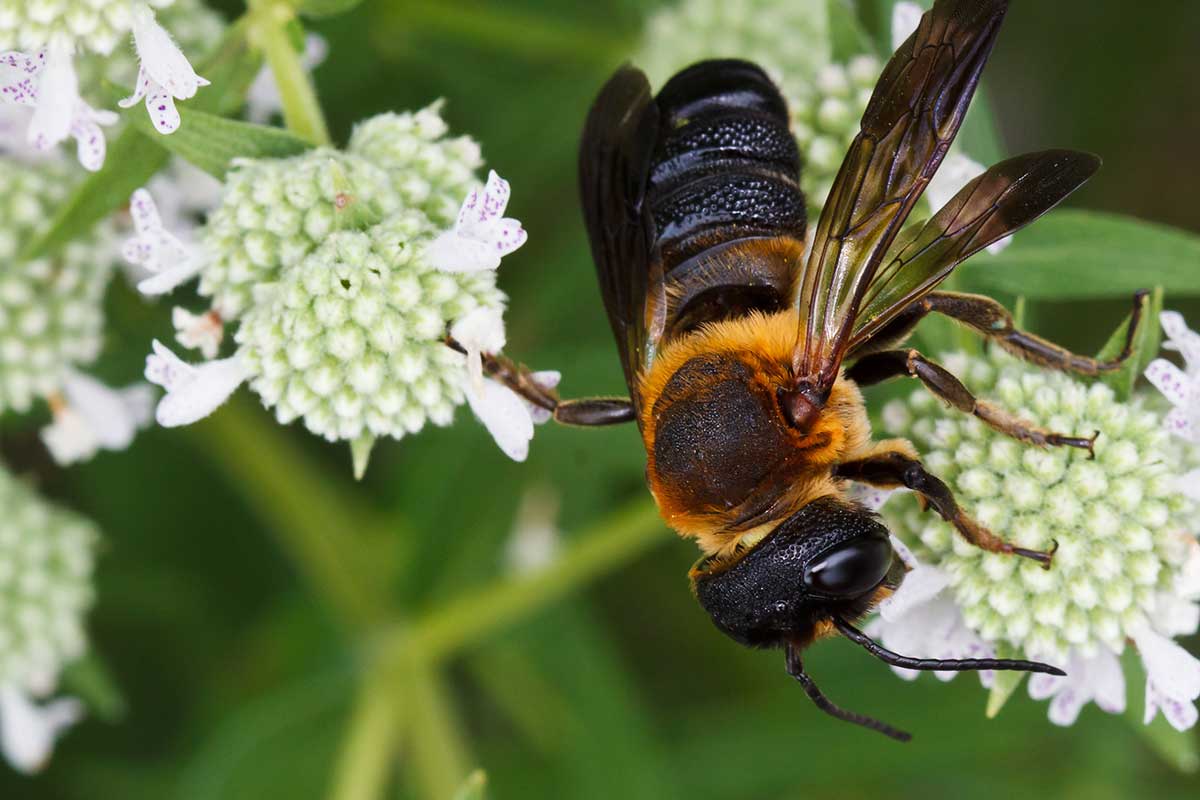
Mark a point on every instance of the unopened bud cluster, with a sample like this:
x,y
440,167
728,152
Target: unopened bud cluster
x,y
1118,520
46,559
51,307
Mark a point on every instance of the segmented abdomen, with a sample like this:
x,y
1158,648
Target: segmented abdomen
x,y
724,194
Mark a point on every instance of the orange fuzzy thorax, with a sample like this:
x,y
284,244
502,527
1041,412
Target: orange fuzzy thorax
x,y
764,345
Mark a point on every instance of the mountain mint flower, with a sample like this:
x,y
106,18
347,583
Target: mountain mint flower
x,y
155,250
51,314
193,392
275,212
46,557
1180,386
52,34
89,416
482,235
164,73
431,171
202,332
1124,547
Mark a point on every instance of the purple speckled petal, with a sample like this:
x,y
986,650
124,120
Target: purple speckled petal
x,y
144,212
162,110
1170,380
140,90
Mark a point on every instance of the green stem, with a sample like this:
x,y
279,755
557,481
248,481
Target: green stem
x,y
368,751
439,757
269,32
320,529
473,616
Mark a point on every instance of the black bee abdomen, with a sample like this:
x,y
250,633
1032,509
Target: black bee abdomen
x,y
725,171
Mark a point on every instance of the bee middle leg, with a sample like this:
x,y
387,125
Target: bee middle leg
x,y
586,411
878,367
894,469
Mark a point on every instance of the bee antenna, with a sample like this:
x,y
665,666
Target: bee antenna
x,y
796,669
950,665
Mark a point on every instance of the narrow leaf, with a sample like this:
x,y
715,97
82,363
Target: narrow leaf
x,y
1084,255
1145,346
91,681
211,142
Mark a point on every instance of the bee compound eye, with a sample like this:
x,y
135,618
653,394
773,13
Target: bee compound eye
x,y
850,569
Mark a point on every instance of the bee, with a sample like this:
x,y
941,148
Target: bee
x,y
745,339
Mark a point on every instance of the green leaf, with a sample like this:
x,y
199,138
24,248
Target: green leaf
x,y
1145,346
324,8
90,679
474,787
212,143
131,161
1087,255
1006,682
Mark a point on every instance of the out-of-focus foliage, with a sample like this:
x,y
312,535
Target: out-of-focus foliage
x,y
239,682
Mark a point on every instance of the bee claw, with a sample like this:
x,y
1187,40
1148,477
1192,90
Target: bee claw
x,y
1043,557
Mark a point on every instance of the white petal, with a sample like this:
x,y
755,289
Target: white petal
x,y
1186,341
480,329
905,19
955,172
91,145
1042,685
1170,380
193,392
495,199
505,416
113,415
169,279
920,585
871,498
162,60
28,731
548,379
161,107
1174,671
1182,715
1179,423
58,96
1189,484
202,332
1106,681
503,235
1066,705
451,252
19,77
69,438
144,212
141,87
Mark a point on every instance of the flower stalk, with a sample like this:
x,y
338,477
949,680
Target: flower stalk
x,y
269,33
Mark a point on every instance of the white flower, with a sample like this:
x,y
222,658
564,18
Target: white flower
x,y
193,392
482,235
47,82
479,331
1172,678
28,730
92,416
1096,678
202,332
508,417
1180,386
157,250
262,99
164,73
534,542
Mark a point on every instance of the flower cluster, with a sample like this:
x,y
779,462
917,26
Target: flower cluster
x,y
46,558
39,44
51,320
346,272
1127,565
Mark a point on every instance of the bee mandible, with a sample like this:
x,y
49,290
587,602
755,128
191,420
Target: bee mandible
x,y
745,339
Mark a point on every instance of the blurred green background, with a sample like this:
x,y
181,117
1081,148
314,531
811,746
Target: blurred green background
x,y
239,680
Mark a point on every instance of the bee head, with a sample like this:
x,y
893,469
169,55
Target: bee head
x,y
827,560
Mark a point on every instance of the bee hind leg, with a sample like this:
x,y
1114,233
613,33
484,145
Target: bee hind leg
x,y
584,411
893,469
878,367
992,320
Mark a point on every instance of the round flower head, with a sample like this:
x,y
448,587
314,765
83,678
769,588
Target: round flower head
x,y
46,557
352,338
1121,567
274,212
51,312
432,172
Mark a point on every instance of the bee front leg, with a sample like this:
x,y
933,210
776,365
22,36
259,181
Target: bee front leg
x,y
893,469
588,411
878,367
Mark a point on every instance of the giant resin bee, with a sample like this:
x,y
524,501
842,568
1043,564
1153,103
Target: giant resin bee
x,y
745,338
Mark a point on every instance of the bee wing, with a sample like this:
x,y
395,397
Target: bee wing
x,y
915,112
614,166
1002,200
